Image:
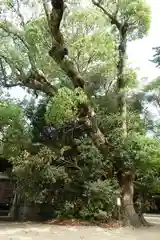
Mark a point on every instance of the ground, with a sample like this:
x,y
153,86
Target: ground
x,y
30,231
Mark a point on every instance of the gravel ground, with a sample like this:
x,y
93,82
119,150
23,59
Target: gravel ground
x,y
30,231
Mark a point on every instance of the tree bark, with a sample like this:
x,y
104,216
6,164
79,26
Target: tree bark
x,y
121,84
130,217
142,210
144,222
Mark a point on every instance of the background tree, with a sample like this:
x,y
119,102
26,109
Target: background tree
x,y
152,98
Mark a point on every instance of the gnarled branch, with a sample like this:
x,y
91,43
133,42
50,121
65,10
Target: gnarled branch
x,y
37,81
59,51
58,54
34,79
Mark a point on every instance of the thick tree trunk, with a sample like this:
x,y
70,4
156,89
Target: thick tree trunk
x,y
59,53
127,185
130,217
144,222
141,211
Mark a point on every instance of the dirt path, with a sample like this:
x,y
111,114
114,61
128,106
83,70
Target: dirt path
x,y
25,231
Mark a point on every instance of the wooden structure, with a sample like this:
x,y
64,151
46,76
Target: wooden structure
x,y
11,205
6,194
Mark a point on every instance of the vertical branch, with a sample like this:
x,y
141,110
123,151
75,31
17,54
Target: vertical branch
x,y
47,15
59,52
56,15
19,13
122,29
120,78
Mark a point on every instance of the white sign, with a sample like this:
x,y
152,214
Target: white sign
x,y
118,202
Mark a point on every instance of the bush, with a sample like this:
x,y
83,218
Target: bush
x,y
101,202
72,187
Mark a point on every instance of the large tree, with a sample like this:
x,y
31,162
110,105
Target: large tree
x,y
130,20
36,42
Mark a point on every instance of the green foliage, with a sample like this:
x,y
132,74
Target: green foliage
x,y
36,114
135,12
138,13
156,56
28,45
91,45
92,157
137,151
141,151
154,127
130,77
101,200
8,113
73,187
148,177
152,98
36,175
154,85
64,106
12,128
93,196
110,120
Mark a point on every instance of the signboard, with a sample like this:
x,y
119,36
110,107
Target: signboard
x,y
118,202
